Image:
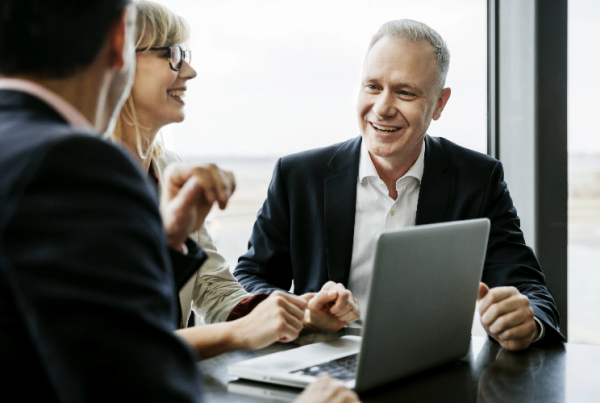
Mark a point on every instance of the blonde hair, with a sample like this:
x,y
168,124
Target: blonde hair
x,y
155,25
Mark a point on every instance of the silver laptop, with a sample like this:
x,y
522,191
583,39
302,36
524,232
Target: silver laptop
x,y
419,314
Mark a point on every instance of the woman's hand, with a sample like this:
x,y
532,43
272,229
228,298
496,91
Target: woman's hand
x,y
277,318
327,390
188,193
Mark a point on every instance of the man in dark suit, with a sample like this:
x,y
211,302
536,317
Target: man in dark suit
x,y
325,207
87,292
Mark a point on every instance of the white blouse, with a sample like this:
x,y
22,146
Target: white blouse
x,y
213,291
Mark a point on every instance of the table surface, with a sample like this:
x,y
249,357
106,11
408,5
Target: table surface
x,y
558,373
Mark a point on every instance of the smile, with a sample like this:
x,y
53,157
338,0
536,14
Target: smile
x,y
384,129
177,93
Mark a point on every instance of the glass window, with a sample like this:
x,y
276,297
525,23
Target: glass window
x,y
584,174
277,77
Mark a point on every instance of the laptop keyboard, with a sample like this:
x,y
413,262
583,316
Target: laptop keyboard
x,y
343,368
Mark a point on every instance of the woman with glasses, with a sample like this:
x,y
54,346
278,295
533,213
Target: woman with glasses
x,y
156,99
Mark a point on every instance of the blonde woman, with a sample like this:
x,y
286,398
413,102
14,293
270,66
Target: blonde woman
x,y
156,99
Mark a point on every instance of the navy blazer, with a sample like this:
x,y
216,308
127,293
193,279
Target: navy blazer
x,y
305,229
88,297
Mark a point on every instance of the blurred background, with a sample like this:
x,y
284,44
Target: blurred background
x,y
277,77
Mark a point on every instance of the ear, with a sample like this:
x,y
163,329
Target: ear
x,y
120,39
441,103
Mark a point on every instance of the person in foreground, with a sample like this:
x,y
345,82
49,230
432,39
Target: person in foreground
x,y
88,272
156,99
325,207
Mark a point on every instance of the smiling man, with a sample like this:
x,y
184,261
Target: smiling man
x,y
325,207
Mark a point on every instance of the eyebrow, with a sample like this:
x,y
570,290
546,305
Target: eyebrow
x,y
403,84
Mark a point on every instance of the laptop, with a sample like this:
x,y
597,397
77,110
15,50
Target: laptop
x,y
420,310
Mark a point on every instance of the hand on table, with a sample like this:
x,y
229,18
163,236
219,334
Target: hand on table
x,y
188,193
507,317
327,390
277,318
330,309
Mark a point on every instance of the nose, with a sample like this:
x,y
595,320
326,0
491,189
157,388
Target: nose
x,y
187,72
384,106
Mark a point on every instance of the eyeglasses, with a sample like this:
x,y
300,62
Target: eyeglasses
x,y
176,55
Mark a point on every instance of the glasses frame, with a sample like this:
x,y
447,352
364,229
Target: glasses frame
x,y
185,55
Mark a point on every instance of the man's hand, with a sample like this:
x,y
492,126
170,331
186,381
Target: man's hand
x,y
507,317
188,193
330,309
277,318
327,390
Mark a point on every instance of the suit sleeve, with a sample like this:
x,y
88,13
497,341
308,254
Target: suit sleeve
x,y
266,267
509,261
91,275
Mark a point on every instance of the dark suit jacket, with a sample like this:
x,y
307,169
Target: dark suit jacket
x,y
305,229
87,292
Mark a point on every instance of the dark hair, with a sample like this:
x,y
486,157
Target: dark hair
x,y
53,38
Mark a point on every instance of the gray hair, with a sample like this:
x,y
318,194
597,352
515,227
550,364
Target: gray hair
x,y
414,30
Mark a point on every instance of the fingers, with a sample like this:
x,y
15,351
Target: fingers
x,y
483,290
345,306
291,304
500,311
308,296
508,305
322,298
511,317
187,197
524,331
350,317
328,285
287,332
300,302
216,184
494,296
343,297
507,316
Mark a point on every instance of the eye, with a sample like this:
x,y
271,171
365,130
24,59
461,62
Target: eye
x,y
407,94
371,87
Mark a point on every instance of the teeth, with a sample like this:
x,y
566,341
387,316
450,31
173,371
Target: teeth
x,y
384,128
178,93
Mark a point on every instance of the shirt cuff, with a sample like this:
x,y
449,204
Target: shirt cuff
x,y
542,329
245,306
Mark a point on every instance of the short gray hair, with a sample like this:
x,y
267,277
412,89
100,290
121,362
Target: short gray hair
x,y
415,30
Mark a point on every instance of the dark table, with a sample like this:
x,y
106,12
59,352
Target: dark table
x,y
556,373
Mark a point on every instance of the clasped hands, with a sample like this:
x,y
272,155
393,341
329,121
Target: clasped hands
x,y
283,316
188,193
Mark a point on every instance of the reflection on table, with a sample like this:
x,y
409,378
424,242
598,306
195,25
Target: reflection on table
x,y
488,374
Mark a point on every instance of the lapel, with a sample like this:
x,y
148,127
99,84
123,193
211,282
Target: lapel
x,y
340,209
436,184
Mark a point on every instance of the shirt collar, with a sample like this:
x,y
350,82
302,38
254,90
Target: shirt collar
x,y
59,104
366,168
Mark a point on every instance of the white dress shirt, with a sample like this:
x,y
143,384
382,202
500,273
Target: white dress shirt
x,y
376,212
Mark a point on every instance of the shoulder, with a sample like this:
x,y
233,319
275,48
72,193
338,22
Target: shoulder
x,y
321,160
458,159
62,158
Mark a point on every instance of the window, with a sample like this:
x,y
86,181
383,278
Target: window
x,y
276,78
584,174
